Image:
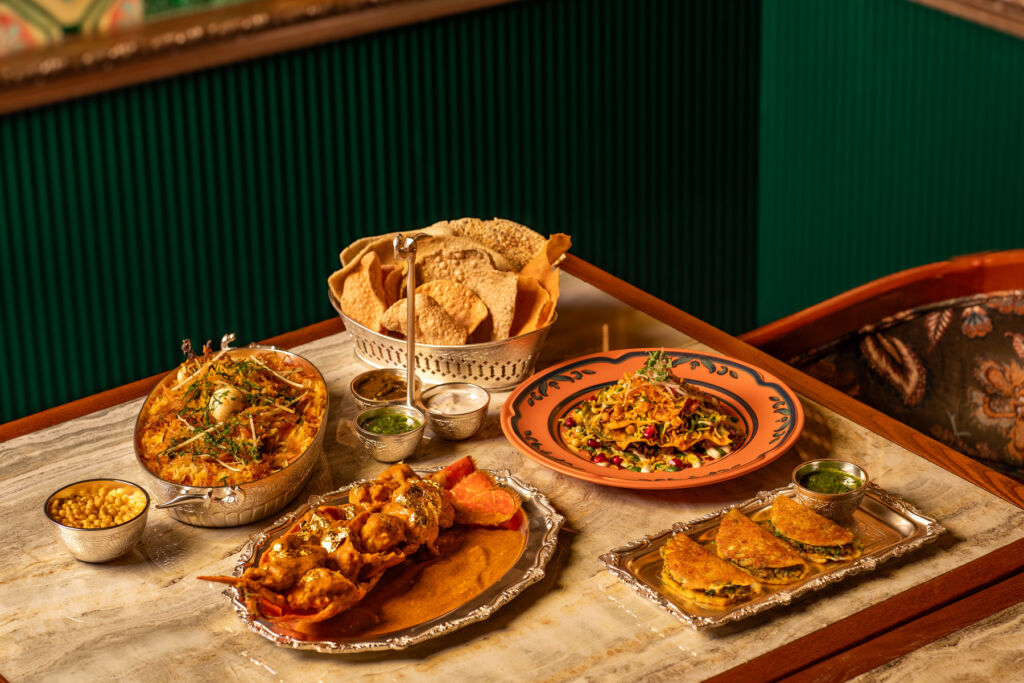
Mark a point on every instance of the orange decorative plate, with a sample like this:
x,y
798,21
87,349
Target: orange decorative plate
x,y
532,416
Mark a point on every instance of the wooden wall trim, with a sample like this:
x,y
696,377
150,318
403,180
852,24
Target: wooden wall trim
x,y
905,290
1006,16
203,40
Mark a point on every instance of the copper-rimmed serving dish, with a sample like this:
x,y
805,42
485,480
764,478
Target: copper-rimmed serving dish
x,y
243,502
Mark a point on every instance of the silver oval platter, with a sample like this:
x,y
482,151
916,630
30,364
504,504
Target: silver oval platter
x,y
887,525
543,523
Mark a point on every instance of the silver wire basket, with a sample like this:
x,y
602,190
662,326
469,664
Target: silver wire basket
x,y
495,365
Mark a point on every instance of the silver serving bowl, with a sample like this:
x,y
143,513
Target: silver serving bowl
x,y
364,401
390,447
494,365
101,544
447,421
227,506
835,506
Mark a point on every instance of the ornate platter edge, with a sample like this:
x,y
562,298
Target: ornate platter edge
x,y
927,530
544,523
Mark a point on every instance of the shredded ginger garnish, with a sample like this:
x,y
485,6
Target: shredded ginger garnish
x,y
275,374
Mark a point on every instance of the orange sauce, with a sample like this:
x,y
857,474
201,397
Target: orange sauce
x,y
470,560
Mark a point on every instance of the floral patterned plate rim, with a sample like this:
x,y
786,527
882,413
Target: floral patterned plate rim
x,y
773,416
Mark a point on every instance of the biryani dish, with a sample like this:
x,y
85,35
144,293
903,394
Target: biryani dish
x,y
231,417
651,421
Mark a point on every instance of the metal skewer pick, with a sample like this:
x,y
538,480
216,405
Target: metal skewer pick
x,y
405,247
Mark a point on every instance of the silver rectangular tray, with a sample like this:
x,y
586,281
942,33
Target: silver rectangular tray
x,y
887,525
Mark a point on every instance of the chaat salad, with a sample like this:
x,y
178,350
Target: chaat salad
x,y
651,421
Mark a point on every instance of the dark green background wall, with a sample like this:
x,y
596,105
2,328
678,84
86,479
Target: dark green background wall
x,y
218,201
891,136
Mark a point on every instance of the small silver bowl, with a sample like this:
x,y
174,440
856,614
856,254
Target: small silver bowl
x,y
97,544
457,410
381,374
835,506
390,447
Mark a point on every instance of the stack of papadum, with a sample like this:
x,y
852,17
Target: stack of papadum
x,y
477,281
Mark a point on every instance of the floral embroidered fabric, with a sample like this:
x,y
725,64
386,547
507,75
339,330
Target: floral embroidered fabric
x,y
953,370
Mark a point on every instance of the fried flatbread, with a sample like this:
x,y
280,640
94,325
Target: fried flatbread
x,y
813,536
515,242
756,551
703,577
354,251
484,256
455,251
533,304
362,294
433,324
382,245
496,288
498,291
393,283
541,268
458,301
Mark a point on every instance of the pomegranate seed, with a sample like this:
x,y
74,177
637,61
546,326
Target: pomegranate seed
x,y
650,432
599,458
569,422
593,443
676,462
616,460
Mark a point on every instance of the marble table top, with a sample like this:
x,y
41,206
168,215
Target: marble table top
x,y
146,616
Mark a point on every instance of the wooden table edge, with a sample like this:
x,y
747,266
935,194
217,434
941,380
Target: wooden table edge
x,y
928,628
861,630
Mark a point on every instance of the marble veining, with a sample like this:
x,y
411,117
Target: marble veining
x,y
146,616
985,651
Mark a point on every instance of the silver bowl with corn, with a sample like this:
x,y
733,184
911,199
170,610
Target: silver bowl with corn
x,y
98,520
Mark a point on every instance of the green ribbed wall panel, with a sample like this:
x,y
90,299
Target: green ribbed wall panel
x,y
891,136
218,201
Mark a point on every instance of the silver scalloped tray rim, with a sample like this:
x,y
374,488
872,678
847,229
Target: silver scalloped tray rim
x,y
929,530
539,548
